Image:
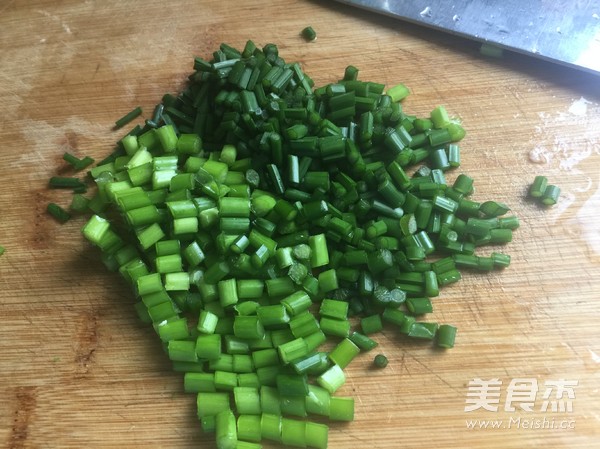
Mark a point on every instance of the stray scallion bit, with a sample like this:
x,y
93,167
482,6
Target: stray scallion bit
x,y
550,196
2,250
84,163
544,193
61,182
380,361
445,336
58,212
128,117
71,159
79,203
309,34
76,163
536,190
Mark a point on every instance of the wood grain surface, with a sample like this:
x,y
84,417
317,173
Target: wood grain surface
x,y
76,368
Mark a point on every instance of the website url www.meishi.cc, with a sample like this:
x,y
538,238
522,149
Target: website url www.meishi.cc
x,y
520,423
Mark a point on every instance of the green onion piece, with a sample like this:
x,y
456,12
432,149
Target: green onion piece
x,y
338,328
493,208
270,401
273,315
334,309
128,117
173,330
71,159
265,357
508,223
303,325
309,34
380,361
419,306
79,203
207,322
292,350
210,403
296,303
279,286
362,341
500,260
198,382
248,428
344,352
182,351
454,155
371,324
62,182
341,409
177,281
328,280
247,400
445,336
398,93
423,330
226,430
228,293
332,379
316,435
270,427
537,189
319,255
292,385
58,212
550,195
208,346
248,327
250,288
315,363
293,432
463,184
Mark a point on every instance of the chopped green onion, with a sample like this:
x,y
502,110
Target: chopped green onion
x,y
226,430
252,195
446,335
128,117
343,353
61,182
309,34
380,361
332,379
371,324
537,189
58,212
550,195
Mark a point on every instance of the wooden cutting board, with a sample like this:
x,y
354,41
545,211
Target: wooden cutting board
x,y
76,368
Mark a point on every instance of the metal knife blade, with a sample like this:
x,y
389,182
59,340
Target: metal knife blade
x,y
561,31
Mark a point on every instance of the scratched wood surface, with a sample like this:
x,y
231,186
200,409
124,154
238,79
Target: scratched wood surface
x,y
77,370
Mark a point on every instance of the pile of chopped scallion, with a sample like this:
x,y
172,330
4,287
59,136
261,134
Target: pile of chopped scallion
x,y
254,214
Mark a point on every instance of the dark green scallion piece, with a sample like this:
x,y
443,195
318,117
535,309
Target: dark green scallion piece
x,y
309,34
380,361
251,200
58,212
128,117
